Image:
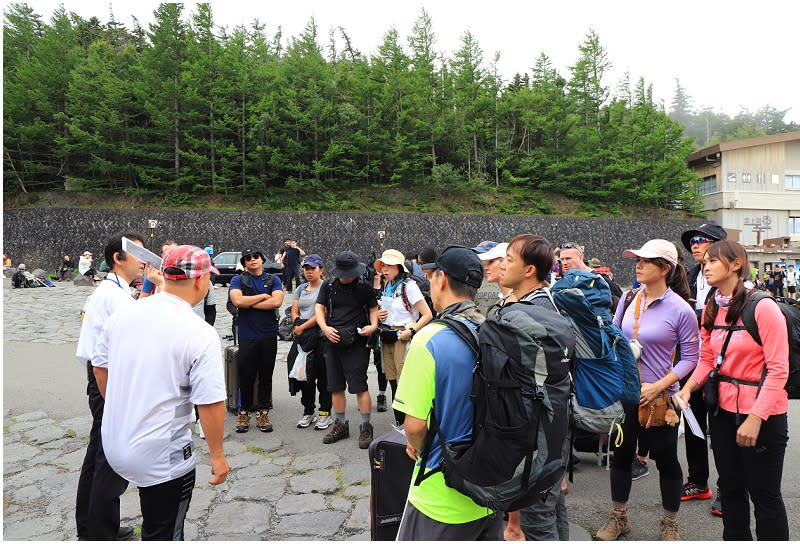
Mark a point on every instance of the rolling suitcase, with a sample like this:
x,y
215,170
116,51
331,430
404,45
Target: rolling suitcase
x,y
233,401
390,470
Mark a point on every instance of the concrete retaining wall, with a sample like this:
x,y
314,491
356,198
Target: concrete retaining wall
x,y
39,237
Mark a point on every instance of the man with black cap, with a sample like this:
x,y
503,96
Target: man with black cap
x,y
347,313
258,295
697,241
439,364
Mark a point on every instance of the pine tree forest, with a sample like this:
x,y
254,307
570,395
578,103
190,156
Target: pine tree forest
x,y
184,107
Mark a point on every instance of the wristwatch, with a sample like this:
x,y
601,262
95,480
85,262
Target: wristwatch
x,y
412,329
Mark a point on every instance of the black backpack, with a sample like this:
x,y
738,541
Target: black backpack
x,y
792,315
520,390
266,277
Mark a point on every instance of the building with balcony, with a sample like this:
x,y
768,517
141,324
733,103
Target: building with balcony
x,y
752,188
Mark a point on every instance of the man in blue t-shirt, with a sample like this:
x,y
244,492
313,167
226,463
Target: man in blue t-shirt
x,y
257,295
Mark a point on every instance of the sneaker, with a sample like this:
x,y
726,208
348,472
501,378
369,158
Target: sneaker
x,y
323,422
692,492
306,420
365,437
199,428
669,529
262,421
616,526
243,422
382,403
716,506
639,469
339,432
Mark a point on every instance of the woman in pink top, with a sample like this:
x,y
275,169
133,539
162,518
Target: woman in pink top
x,y
749,431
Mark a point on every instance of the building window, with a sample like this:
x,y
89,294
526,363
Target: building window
x,y
794,225
732,178
746,177
707,185
792,182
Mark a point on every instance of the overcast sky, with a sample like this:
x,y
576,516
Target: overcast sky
x,y
727,55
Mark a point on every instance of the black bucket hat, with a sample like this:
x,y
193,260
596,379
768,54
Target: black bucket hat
x,y
249,250
712,231
347,266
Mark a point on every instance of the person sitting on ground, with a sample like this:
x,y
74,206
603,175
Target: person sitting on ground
x,y
18,279
6,262
66,266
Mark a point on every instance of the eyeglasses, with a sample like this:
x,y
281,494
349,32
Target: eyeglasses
x,y
251,257
699,240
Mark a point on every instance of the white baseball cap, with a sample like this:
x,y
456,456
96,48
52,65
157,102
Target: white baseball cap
x,y
497,252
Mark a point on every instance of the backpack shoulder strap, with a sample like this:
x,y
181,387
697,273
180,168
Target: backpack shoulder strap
x,y
749,314
629,296
301,288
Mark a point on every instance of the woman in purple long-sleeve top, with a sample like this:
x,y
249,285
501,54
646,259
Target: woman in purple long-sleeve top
x,y
666,328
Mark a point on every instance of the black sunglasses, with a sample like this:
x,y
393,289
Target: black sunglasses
x,y
251,257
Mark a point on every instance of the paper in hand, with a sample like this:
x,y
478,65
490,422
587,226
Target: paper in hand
x,y
144,255
688,416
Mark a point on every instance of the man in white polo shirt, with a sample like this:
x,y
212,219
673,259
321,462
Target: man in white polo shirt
x,y
97,501
150,388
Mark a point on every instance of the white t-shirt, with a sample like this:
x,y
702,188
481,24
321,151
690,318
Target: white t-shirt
x,y
399,316
153,384
703,288
84,264
112,294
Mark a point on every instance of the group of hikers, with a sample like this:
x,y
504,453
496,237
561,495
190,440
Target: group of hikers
x,y
435,349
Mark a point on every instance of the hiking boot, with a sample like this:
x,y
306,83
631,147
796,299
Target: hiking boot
x,y
306,420
339,432
262,421
615,527
382,403
669,529
243,422
639,469
365,437
323,421
695,492
716,506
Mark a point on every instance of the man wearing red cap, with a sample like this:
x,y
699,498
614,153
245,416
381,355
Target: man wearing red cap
x,y
150,387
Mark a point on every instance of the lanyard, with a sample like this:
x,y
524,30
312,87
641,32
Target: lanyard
x,y
116,280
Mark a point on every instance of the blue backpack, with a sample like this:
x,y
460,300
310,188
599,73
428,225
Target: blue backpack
x,y
606,376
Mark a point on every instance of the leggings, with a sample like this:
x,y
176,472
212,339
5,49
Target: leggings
x,y
663,443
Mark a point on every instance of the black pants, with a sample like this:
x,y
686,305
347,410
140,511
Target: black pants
x,y
318,380
663,443
382,381
99,487
210,313
751,472
257,361
697,448
164,508
290,274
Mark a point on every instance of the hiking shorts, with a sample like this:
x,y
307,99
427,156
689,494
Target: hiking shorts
x,y
347,366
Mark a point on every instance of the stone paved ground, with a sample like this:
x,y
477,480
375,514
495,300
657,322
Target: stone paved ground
x,y
283,485
275,491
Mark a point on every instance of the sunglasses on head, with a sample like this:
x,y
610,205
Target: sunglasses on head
x,y
571,245
699,240
251,257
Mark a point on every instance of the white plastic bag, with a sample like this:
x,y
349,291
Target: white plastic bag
x,y
299,368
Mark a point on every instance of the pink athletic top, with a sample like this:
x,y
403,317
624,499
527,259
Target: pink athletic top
x,y
744,360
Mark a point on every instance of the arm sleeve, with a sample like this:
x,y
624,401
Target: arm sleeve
x,y
707,356
206,374
413,293
322,297
688,340
100,355
620,309
415,392
775,344
235,283
276,283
